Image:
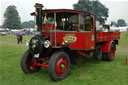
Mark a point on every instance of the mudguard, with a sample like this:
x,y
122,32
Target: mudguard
x,y
106,46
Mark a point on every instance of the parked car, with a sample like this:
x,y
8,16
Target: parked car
x,y
3,33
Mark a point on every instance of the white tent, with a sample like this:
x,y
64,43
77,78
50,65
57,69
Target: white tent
x,y
121,29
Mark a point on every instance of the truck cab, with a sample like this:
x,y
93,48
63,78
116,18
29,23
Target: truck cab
x,y
71,27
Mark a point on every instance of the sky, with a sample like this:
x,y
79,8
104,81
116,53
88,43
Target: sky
x,y
118,9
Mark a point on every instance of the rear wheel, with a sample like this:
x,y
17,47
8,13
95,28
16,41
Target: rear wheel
x,y
59,65
111,54
27,63
98,53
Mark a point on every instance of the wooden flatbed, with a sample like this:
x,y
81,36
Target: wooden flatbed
x,y
107,36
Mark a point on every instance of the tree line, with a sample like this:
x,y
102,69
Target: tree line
x,y
119,23
12,19
95,7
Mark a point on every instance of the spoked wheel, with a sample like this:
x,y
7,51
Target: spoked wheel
x,y
59,65
98,53
111,54
27,63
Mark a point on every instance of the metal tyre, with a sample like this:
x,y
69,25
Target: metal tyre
x,y
59,65
98,53
27,63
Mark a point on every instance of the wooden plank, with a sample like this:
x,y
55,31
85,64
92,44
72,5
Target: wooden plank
x,y
107,36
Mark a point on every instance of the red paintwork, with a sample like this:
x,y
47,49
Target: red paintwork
x,y
59,70
112,52
64,10
107,36
83,41
31,65
61,10
106,46
41,65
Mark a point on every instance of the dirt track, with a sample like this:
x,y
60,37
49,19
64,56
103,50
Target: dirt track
x,y
2,42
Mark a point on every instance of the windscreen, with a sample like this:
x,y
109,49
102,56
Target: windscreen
x,y
63,21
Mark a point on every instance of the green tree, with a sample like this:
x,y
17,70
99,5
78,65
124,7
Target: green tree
x,y
95,7
121,22
12,18
28,24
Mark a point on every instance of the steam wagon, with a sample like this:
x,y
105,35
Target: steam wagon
x,y
62,36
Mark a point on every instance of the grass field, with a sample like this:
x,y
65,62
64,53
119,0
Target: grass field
x,y
87,71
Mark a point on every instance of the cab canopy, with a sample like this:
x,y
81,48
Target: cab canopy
x,y
68,20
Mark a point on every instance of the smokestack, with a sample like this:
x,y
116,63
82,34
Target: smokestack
x,y
38,8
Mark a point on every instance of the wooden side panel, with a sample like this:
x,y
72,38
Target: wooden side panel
x,y
107,36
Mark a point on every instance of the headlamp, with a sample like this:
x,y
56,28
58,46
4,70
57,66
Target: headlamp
x,y
47,44
26,42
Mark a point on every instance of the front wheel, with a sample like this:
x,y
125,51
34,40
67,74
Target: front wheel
x,y
59,65
27,63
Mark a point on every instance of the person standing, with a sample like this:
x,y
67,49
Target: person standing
x,y
19,38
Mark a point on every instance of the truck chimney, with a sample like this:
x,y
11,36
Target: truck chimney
x,y
38,13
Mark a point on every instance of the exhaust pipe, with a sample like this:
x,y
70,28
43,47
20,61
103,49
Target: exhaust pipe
x,y
38,8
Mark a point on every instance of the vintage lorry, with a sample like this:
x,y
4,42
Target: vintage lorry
x,y
62,37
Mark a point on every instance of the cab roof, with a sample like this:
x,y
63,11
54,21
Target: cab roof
x,y
63,10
